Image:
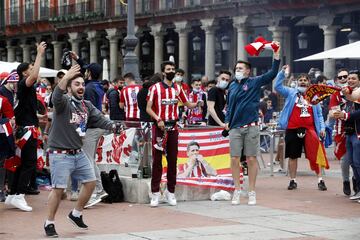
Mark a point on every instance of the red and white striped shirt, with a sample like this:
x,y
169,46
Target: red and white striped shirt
x,y
128,97
165,100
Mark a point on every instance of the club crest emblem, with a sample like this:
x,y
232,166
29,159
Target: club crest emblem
x,y
245,87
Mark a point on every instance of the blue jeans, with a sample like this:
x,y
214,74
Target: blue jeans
x,y
353,155
64,165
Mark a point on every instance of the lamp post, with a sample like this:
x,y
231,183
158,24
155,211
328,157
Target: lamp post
x,y
196,43
145,48
302,40
353,37
131,62
225,43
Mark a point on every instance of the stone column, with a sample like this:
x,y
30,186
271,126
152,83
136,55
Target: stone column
x,y
278,35
242,35
58,47
113,36
26,52
208,25
158,48
93,38
182,29
10,52
75,41
329,43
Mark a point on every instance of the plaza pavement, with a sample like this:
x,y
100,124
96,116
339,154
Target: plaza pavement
x,y
305,213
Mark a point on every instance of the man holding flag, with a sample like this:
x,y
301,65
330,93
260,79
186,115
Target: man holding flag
x,y
304,124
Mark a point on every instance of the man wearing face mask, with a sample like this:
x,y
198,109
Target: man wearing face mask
x,y
179,80
304,125
216,99
198,114
162,106
241,120
73,113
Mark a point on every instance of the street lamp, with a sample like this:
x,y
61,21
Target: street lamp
x,y
104,51
302,40
18,55
196,43
49,54
353,37
131,62
84,53
33,55
145,47
170,47
225,43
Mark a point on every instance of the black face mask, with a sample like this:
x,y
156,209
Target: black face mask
x,y
170,76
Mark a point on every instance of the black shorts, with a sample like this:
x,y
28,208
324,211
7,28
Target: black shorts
x,y
293,144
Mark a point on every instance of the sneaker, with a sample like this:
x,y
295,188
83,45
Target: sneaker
x,y
321,185
9,199
102,194
252,198
236,197
155,199
74,196
170,198
77,221
292,185
356,196
50,231
18,201
93,201
346,188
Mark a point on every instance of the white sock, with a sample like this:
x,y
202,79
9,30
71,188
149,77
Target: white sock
x,y
320,179
47,222
76,213
293,179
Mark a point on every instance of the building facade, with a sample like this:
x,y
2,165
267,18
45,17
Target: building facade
x,y
203,36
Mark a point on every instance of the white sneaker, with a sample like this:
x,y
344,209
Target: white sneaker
x,y
356,196
170,198
102,194
74,196
252,198
18,201
92,201
236,197
9,199
155,199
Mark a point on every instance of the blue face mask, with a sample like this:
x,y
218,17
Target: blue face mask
x,y
223,84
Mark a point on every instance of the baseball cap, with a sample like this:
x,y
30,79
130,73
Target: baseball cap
x,y
95,70
63,71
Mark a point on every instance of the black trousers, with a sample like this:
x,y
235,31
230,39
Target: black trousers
x,y
27,168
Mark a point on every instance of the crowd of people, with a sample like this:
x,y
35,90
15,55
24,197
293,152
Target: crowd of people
x,y
67,116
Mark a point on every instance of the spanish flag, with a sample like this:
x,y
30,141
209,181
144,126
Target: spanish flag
x,y
315,151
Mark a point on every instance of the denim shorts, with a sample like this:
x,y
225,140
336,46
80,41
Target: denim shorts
x,y
244,138
64,165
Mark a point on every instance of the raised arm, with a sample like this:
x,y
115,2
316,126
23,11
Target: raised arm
x,y
36,68
279,87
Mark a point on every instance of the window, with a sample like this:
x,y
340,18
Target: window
x,y
63,7
189,3
14,12
145,8
120,9
44,9
81,6
29,10
169,4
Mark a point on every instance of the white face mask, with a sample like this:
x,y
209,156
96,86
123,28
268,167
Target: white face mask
x,y
239,76
302,89
293,84
178,78
223,84
195,90
317,74
341,84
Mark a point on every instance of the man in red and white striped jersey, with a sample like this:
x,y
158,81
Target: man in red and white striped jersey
x,y
162,106
128,98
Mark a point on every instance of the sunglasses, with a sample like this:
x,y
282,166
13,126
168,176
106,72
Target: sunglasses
x,y
342,77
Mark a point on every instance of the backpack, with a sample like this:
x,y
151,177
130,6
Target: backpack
x,y
112,186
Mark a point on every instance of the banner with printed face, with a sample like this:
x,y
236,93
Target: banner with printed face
x,y
203,157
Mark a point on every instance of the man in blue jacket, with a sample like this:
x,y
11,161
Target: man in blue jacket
x,y
304,124
241,119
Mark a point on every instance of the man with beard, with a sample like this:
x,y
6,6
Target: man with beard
x,y
304,124
162,106
73,113
113,96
